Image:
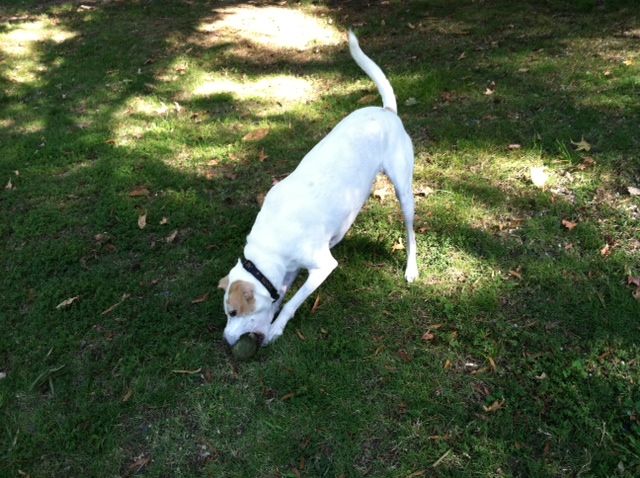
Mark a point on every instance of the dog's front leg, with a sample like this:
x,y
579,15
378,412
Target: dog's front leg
x,y
316,277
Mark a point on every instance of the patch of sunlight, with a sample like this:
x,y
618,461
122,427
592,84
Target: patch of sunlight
x,y
272,27
19,43
285,91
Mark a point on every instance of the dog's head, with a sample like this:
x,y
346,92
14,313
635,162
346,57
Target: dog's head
x,y
247,305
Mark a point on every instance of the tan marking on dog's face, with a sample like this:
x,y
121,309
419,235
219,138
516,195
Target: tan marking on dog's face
x,y
223,283
241,298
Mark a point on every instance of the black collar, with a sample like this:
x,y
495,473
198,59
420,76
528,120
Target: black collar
x,y
251,268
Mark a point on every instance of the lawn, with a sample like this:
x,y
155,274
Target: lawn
x,y
137,139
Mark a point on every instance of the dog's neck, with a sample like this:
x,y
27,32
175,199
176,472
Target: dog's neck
x,y
272,269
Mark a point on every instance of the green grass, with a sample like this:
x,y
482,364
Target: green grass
x,y
530,364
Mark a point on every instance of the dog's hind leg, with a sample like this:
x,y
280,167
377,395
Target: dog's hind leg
x,y
400,171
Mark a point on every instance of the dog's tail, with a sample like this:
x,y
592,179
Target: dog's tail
x,y
374,72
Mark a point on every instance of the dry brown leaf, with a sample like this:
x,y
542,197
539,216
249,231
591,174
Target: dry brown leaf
x,y
9,186
514,146
260,198
367,99
171,237
256,135
140,191
139,464
488,91
164,220
424,191
586,163
428,336
631,280
398,246
406,358
492,364
633,191
495,406
127,396
262,156
201,299
300,335
142,220
447,364
582,145
288,396
66,303
569,224
516,273
462,56
606,250
316,305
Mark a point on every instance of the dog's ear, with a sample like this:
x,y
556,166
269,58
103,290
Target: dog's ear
x,y
241,297
223,283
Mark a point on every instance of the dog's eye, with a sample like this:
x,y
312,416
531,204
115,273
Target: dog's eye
x,y
233,313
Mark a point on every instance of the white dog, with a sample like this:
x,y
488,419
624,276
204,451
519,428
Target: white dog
x,y
310,211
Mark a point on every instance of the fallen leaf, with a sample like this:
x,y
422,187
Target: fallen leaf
x,y
428,336
516,273
288,396
447,364
171,237
178,107
539,176
230,176
606,250
9,186
631,280
488,91
514,146
300,335
262,156
398,246
424,191
139,464
411,102
523,70
142,220
201,299
636,294
406,358
462,56
256,135
164,221
139,192
627,62
416,474
411,25
213,162
127,396
568,224
492,364
633,191
495,406
582,145
260,198
586,163
66,303
316,305
367,99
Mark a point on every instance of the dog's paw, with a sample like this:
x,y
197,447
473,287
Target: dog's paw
x,y
274,334
411,274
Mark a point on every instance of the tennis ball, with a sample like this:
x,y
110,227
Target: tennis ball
x,y
246,347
